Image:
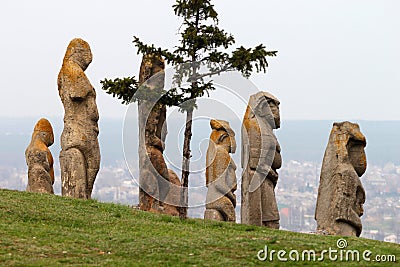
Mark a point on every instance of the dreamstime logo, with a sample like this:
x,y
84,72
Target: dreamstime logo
x,y
340,253
159,143
341,243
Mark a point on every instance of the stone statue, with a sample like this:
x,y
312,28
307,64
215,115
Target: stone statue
x,y
172,199
154,180
39,159
220,173
80,154
260,159
340,194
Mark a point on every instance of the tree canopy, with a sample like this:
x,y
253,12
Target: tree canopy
x,y
202,43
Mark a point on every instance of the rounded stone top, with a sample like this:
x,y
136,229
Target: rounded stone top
x,y
256,100
221,125
352,130
43,125
262,95
79,51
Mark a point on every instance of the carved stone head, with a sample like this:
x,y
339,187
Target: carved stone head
x,y
266,107
350,144
79,52
44,132
222,134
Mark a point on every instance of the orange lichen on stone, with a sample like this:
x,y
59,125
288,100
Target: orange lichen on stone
x,y
260,160
80,154
340,194
159,188
220,173
72,76
39,159
43,125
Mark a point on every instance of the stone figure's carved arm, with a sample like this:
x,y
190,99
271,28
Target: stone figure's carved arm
x,y
153,130
78,84
160,143
344,199
157,143
260,150
265,161
210,170
222,187
231,178
222,163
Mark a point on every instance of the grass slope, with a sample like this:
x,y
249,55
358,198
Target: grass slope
x,y
47,230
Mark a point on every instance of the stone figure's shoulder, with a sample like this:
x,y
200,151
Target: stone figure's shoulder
x,y
71,72
72,81
251,124
222,155
37,146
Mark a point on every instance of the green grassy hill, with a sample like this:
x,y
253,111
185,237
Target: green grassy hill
x,y
47,230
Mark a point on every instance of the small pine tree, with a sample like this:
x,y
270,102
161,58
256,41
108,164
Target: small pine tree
x,y
201,43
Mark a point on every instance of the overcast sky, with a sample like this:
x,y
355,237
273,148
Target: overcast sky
x,y
337,60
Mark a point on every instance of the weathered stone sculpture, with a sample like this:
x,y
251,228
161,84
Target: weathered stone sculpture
x,y
221,173
39,159
80,154
154,180
173,197
260,160
340,194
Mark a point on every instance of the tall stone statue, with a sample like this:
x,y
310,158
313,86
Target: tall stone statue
x,y
221,173
80,154
39,159
340,194
154,180
260,159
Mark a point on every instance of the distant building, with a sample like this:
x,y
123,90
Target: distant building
x,y
390,238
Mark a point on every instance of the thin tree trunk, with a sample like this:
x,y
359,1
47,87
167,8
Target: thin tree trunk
x,y
188,136
185,165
